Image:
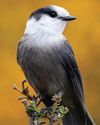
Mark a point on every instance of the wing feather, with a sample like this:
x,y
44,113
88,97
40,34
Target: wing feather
x,y
73,73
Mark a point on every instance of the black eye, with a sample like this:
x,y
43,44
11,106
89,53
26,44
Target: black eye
x,y
53,14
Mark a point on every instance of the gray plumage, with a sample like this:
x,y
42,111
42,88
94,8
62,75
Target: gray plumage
x,y
49,65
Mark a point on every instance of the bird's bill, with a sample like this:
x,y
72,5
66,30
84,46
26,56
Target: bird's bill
x,y
68,18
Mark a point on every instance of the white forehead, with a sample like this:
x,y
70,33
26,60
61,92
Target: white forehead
x,y
61,11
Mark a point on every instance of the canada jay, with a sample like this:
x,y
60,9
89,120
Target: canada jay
x,y
49,65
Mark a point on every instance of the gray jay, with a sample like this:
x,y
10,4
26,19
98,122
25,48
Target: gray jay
x,y
48,62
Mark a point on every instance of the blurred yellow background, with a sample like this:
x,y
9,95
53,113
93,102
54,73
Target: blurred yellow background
x,y
83,34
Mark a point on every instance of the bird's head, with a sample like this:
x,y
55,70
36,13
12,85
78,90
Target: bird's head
x,y
52,19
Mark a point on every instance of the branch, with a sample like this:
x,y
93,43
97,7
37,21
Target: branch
x,y
55,113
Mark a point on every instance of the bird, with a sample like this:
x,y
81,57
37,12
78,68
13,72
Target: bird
x,y
48,62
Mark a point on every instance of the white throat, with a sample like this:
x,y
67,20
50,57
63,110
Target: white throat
x,y
42,38
46,25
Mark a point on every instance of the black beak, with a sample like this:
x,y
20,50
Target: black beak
x,y
68,18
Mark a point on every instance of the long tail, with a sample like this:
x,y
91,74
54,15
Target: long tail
x,y
89,119
73,118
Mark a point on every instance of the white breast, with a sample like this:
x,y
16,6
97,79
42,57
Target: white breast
x,y
44,40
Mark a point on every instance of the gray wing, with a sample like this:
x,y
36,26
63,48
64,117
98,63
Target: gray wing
x,y
73,73
69,63
22,51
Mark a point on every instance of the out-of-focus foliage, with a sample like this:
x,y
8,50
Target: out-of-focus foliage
x,y
83,34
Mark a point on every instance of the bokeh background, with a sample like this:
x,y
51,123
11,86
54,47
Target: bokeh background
x,y
83,34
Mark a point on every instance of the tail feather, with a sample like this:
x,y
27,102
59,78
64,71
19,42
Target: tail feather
x,y
89,119
73,118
